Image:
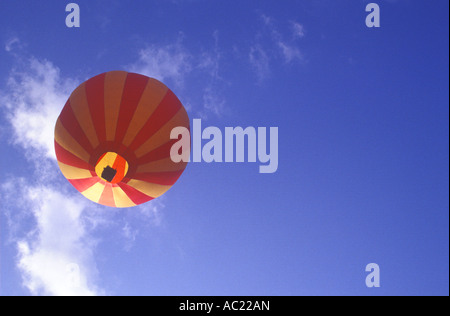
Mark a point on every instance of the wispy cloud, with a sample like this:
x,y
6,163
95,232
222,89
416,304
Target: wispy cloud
x,y
298,29
213,100
259,60
288,49
9,45
290,53
129,233
271,45
151,212
138,221
210,60
175,64
166,63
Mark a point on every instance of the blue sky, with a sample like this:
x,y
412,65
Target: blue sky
x,y
363,149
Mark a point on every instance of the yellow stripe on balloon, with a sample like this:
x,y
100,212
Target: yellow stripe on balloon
x,y
73,173
94,192
66,141
80,107
107,160
152,96
114,84
162,136
121,199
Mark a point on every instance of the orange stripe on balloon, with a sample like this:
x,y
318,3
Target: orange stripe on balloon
x,y
166,110
114,84
107,197
152,96
84,184
65,139
134,87
119,165
95,97
162,136
159,153
82,114
70,159
70,123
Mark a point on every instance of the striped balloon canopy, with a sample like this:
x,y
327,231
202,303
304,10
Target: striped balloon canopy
x,y
112,138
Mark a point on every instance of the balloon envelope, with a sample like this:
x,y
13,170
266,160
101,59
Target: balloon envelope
x,y
112,138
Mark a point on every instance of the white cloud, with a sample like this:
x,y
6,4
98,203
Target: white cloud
x,y
151,212
298,30
267,20
175,63
129,234
170,62
259,60
148,214
210,60
56,258
11,43
213,100
55,247
289,52
33,101
270,45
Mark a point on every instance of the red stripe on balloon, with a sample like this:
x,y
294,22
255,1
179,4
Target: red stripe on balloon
x,y
84,184
107,197
165,111
163,178
159,153
66,157
95,92
136,196
134,88
73,127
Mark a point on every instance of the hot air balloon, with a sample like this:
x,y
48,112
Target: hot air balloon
x,y
112,138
